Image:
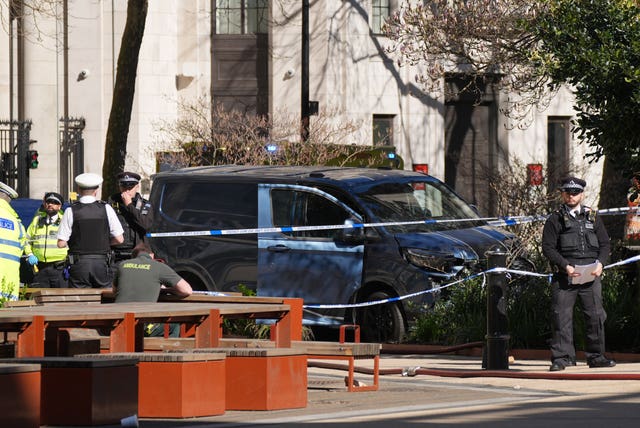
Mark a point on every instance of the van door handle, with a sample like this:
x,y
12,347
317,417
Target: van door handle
x,y
278,248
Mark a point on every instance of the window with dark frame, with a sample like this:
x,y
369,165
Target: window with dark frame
x,y
558,142
241,16
383,130
380,11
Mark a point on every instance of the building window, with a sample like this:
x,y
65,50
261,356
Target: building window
x,y
558,141
241,16
380,11
383,130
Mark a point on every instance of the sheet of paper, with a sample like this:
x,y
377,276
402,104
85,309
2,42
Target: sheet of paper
x,y
585,272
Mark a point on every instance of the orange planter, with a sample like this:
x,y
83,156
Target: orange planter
x,y
181,385
19,395
86,391
265,379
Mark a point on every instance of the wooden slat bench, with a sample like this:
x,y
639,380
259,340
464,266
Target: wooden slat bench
x,y
178,385
349,351
19,303
57,296
19,395
264,379
38,325
86,391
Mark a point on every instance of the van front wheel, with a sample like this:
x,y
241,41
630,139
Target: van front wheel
x,y
382,323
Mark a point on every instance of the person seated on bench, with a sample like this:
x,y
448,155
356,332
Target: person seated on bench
x,y
141,279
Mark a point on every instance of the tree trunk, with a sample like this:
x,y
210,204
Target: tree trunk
x,y
613,194
115,150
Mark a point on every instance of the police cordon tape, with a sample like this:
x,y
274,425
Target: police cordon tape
x,y
441,287
470,277
492,221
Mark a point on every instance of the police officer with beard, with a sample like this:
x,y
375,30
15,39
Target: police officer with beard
x,y
574,236
134,213
42,243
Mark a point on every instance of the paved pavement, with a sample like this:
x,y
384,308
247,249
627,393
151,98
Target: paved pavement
x,y
454,391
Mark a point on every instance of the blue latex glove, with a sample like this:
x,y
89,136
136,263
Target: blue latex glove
x,y
33,260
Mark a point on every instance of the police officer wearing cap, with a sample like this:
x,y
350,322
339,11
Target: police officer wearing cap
x,y
574,235
12,242
42,243
89,227
134,213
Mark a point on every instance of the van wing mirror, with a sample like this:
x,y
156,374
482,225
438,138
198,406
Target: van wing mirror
x,y
352,235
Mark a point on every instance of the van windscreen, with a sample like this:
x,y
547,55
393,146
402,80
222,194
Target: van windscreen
x,y
416,201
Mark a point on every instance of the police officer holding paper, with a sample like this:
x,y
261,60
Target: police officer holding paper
x,y
573,239
133,211
89,227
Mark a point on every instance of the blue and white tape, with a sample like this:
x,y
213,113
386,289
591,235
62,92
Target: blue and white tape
x,y
492,221
470,277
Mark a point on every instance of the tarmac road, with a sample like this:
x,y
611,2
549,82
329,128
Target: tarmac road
x,y
478,401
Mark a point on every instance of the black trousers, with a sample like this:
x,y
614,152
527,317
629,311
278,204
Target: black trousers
x,y
564,297
90,272
51,276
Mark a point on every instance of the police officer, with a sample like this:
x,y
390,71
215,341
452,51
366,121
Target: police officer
x,y
12,242
42,245
89,227
574,236
134,213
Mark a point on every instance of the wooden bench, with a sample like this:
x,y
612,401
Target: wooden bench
x,y
86,391
57,296
349,351
19,303
178,385
19,395
264,379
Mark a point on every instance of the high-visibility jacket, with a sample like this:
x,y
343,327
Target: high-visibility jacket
x,y
42,238
13,238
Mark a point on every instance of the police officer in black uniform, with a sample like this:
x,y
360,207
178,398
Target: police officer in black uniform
x,y
89,227
574,236
134,213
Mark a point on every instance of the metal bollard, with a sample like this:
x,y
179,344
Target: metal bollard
x,y
497,348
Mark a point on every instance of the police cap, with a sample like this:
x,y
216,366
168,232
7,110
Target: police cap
x,y
572,184
8,190
128,178
88,180
53,197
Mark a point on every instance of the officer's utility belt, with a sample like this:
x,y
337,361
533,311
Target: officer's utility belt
x,y
122,254
57,265
75,258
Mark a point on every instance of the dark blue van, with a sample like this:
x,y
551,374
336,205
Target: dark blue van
x,y
324,266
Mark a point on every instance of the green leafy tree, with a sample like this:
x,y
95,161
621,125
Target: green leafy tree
x,y
594,45
534,47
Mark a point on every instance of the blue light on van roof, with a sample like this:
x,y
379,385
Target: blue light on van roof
x,y
391,155
272,148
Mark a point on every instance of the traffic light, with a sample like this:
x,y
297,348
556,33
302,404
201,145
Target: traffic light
x,y
32,158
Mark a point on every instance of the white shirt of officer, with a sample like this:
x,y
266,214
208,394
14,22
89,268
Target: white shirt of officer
x,y
116,232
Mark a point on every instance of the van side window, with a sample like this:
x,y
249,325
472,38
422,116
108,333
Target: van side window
x,y
211,205
296,208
